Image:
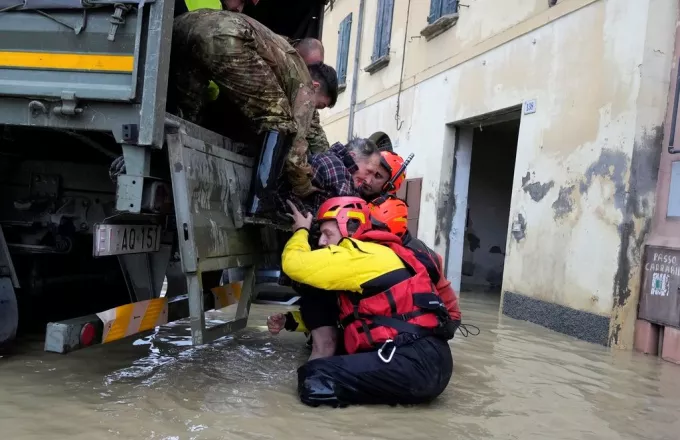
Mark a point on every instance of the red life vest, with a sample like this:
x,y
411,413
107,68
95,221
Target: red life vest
x,y
433,263
411,306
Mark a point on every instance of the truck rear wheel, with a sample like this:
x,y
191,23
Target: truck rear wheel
x,y
9,312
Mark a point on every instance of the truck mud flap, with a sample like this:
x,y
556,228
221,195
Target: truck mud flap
x,y
9,311
210,186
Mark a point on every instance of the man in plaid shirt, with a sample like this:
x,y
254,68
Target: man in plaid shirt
x,y
340,171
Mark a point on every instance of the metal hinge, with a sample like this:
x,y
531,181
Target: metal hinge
x,y
117,19
69,105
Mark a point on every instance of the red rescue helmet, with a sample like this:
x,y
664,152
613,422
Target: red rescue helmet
x,y
392,162
390,213
345,209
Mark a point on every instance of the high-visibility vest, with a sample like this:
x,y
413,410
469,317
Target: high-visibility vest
x,y
192,5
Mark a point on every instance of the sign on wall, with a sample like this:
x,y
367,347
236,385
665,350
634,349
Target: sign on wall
x,y
660,298
529,107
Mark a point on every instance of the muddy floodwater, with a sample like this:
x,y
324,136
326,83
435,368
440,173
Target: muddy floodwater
x,y
513,381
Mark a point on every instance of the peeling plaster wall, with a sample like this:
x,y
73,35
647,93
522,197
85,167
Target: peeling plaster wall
x,y
585,171
651,104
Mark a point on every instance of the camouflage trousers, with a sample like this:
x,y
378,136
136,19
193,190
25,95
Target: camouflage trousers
x,y
245,80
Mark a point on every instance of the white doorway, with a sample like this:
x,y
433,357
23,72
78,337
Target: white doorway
x,y
486,149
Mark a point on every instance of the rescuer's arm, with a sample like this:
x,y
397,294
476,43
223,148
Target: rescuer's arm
x,y
294,322
316,137
331,268
447,295
291,321
298,170
348,266
303,113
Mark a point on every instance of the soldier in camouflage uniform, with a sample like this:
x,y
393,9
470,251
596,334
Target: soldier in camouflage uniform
x,y
312,52
316,137
263,76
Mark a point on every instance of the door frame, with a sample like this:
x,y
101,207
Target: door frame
x,y
461,184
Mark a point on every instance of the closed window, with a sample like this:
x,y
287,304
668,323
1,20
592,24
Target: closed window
x,y
410,193
343,49
383,29
439,8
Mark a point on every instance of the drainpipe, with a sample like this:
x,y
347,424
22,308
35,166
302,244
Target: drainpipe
x,y
355,81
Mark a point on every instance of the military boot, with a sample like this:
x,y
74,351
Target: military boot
x,y
262,200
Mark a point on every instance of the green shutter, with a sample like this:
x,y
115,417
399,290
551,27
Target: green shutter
x,y
450,7
383,29
435,10
343,48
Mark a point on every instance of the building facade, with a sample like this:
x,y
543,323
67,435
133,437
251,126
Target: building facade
x,y
537,128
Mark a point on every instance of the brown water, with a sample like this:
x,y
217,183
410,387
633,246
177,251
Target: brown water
x,y
513,381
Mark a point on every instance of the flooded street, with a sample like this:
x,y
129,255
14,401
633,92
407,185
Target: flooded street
x,y
513,381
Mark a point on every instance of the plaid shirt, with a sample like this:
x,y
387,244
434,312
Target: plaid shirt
x,y
332,176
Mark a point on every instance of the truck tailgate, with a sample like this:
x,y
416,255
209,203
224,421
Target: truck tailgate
x,y
57,53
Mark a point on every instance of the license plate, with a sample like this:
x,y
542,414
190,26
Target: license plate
x,y
126,239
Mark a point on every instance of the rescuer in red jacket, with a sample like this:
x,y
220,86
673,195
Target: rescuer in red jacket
x,y
389,213
318,314
395,325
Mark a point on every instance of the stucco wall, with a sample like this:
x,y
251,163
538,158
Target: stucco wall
x,y
585,169
481,21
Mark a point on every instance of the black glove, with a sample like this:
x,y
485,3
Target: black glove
x,y
291,324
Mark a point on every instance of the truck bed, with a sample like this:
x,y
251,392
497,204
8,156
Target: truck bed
x,y
98,73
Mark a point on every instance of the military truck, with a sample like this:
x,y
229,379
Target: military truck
x,y
82,82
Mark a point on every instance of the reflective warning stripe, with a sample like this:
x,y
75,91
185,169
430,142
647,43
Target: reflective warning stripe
x,y
118,326
237,289
153,311
67,61
133,318
227,295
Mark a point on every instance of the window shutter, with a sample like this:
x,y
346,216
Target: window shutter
x,y
386,31
435,11
343,48
410,193
450,7
377,38
413,189
339,58
383,29
402,191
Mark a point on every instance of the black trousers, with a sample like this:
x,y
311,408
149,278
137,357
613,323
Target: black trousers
x,y
318,308
418,372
